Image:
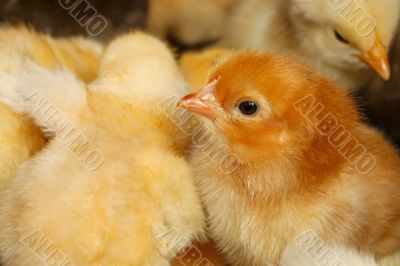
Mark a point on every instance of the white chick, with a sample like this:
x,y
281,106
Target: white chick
x,y
338,37
111,187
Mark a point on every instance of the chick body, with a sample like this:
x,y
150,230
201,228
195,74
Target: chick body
x,y
135,206
317,254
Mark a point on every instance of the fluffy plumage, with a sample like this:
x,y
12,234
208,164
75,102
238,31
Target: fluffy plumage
x,y
288,176
295,256
306,30
139,206
19,138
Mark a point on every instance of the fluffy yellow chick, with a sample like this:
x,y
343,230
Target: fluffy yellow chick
x,y
189,21
338,37
196,67
283,150
111,188
19,138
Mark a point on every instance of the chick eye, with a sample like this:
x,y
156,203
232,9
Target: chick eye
x,y
248,108
340,37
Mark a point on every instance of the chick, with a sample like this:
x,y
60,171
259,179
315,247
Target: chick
x,y
298,158
339,38
191,22
19,138
111,187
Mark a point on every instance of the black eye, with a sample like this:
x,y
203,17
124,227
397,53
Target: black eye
x,y
248,108
340,38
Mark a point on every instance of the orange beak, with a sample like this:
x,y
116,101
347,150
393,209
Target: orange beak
x,y
377,59
202,102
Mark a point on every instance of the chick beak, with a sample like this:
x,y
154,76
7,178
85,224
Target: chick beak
x,y
377,59
202,102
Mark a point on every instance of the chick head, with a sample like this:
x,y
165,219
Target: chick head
x,y
252,100
347,34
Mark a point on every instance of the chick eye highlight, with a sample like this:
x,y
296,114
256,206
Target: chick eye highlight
x,y
248,108
340,38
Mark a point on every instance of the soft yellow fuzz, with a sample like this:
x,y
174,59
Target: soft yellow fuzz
x,y
139,207
19,138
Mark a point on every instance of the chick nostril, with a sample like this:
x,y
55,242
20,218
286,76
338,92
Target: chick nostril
x,y
204,97
207,97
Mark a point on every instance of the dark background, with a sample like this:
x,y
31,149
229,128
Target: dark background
x,y
49,16
379,100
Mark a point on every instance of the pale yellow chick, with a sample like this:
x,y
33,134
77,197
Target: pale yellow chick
x,y
19,138
112,187
338,37
189,21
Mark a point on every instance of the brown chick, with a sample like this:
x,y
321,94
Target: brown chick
x,y
19,138
301,159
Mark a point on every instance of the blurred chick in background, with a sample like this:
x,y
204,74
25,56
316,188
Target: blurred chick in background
x,y
295,170
189,21
19,138
339,38
139,205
